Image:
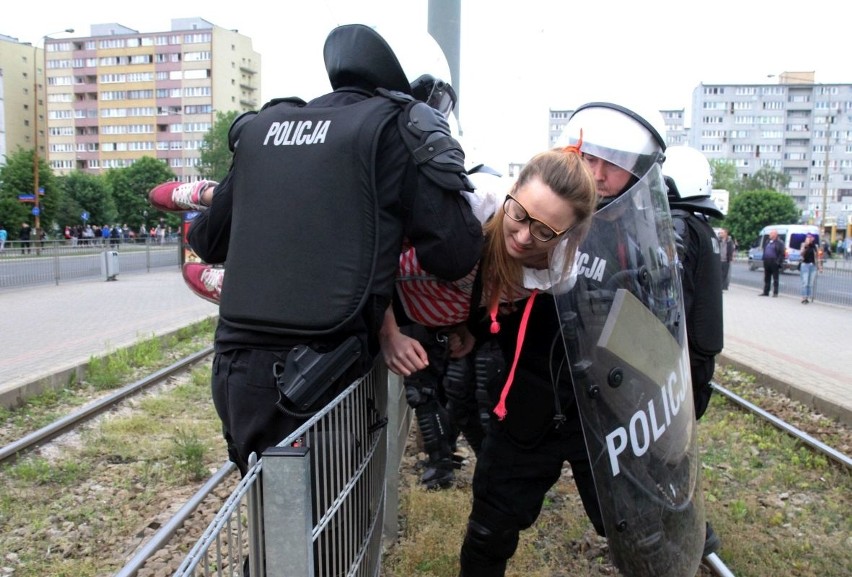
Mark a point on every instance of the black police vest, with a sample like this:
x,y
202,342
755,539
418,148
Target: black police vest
x,y
704,323
305,231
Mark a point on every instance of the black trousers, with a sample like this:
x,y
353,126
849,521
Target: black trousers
x,y
244,394
771,271
509,487
726,274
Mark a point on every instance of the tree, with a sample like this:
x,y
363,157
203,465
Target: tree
x,y
725,176
766,179
16,177
751,210
130,187
216,153
89,193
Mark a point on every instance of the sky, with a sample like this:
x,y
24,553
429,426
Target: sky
x,y
518,59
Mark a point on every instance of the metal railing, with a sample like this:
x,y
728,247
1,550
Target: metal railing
x,y
832,286
319,503
54,261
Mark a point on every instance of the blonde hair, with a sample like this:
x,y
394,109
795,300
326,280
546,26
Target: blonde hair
x,y
566,173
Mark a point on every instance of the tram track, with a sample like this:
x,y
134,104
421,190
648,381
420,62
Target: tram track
x,y
156,543
12,450
712,562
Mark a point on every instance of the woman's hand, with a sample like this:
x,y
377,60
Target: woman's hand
x,y
402,354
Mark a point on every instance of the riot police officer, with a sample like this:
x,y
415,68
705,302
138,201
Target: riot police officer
x,y
690,183
523,454
311,219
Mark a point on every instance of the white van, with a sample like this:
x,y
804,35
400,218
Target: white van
x,y
792,235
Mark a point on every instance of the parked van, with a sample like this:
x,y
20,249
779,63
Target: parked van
x,y
792,235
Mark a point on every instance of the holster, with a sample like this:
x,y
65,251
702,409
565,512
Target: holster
x,y
307,374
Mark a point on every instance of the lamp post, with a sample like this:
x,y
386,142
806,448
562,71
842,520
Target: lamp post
x,y
36,208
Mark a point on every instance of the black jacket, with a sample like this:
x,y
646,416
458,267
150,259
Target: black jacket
x,y
779,251
438,222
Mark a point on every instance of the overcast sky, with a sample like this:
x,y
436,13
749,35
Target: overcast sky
x,y
518,58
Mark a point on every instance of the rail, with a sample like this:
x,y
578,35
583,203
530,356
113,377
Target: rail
x,y
53,261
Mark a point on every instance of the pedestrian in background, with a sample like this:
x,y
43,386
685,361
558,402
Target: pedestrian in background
x,y
3,236
773,260
24,236
808,268
726,255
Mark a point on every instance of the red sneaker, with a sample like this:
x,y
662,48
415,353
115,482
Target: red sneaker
x,y
176,196
204,280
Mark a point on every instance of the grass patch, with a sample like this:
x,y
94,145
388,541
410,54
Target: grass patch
x,y
74,510
107,373
778,507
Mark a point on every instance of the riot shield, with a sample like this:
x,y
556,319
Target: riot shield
x,y
625,336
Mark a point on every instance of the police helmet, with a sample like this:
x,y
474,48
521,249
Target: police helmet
x,y
356,55
618,134
396,59
689,180
435,92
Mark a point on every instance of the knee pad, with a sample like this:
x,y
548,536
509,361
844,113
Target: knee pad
x,y
484,546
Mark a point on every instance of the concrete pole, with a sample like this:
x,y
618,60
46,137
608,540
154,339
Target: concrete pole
x,y
444,26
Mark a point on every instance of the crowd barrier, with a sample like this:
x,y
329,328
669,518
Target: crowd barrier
x,y
324,501
52,262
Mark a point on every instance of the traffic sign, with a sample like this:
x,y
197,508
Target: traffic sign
x,y
85,216
35,211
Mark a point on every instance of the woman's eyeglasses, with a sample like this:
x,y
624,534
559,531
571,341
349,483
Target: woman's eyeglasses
x,y
539,231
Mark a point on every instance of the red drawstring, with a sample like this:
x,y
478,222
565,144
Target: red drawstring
x,y
500,409
495,326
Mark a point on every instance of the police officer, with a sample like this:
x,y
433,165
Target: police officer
x,y
523,454
619,145
690,183
424,340
311,219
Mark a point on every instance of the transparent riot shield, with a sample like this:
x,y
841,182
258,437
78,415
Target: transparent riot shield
x,y
625,336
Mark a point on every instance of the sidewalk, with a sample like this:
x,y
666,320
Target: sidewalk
x,y
50,331
801,350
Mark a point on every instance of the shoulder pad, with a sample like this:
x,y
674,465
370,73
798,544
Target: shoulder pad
x,y
237,126
679,218
437,154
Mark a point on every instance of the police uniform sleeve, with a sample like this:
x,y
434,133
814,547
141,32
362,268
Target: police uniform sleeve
x,y
443,230
210,231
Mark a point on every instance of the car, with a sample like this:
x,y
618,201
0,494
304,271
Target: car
x,y
792,235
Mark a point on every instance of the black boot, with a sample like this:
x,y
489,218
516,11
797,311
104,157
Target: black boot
x,y
711,541
436,432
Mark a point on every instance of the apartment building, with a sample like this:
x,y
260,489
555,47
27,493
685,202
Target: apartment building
x,y
797,126
21,104
120,94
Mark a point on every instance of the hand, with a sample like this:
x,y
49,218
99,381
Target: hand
x,y
461,342
402,354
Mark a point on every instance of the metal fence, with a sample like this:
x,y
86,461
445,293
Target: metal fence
x,y
832,286
54,261
320,502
